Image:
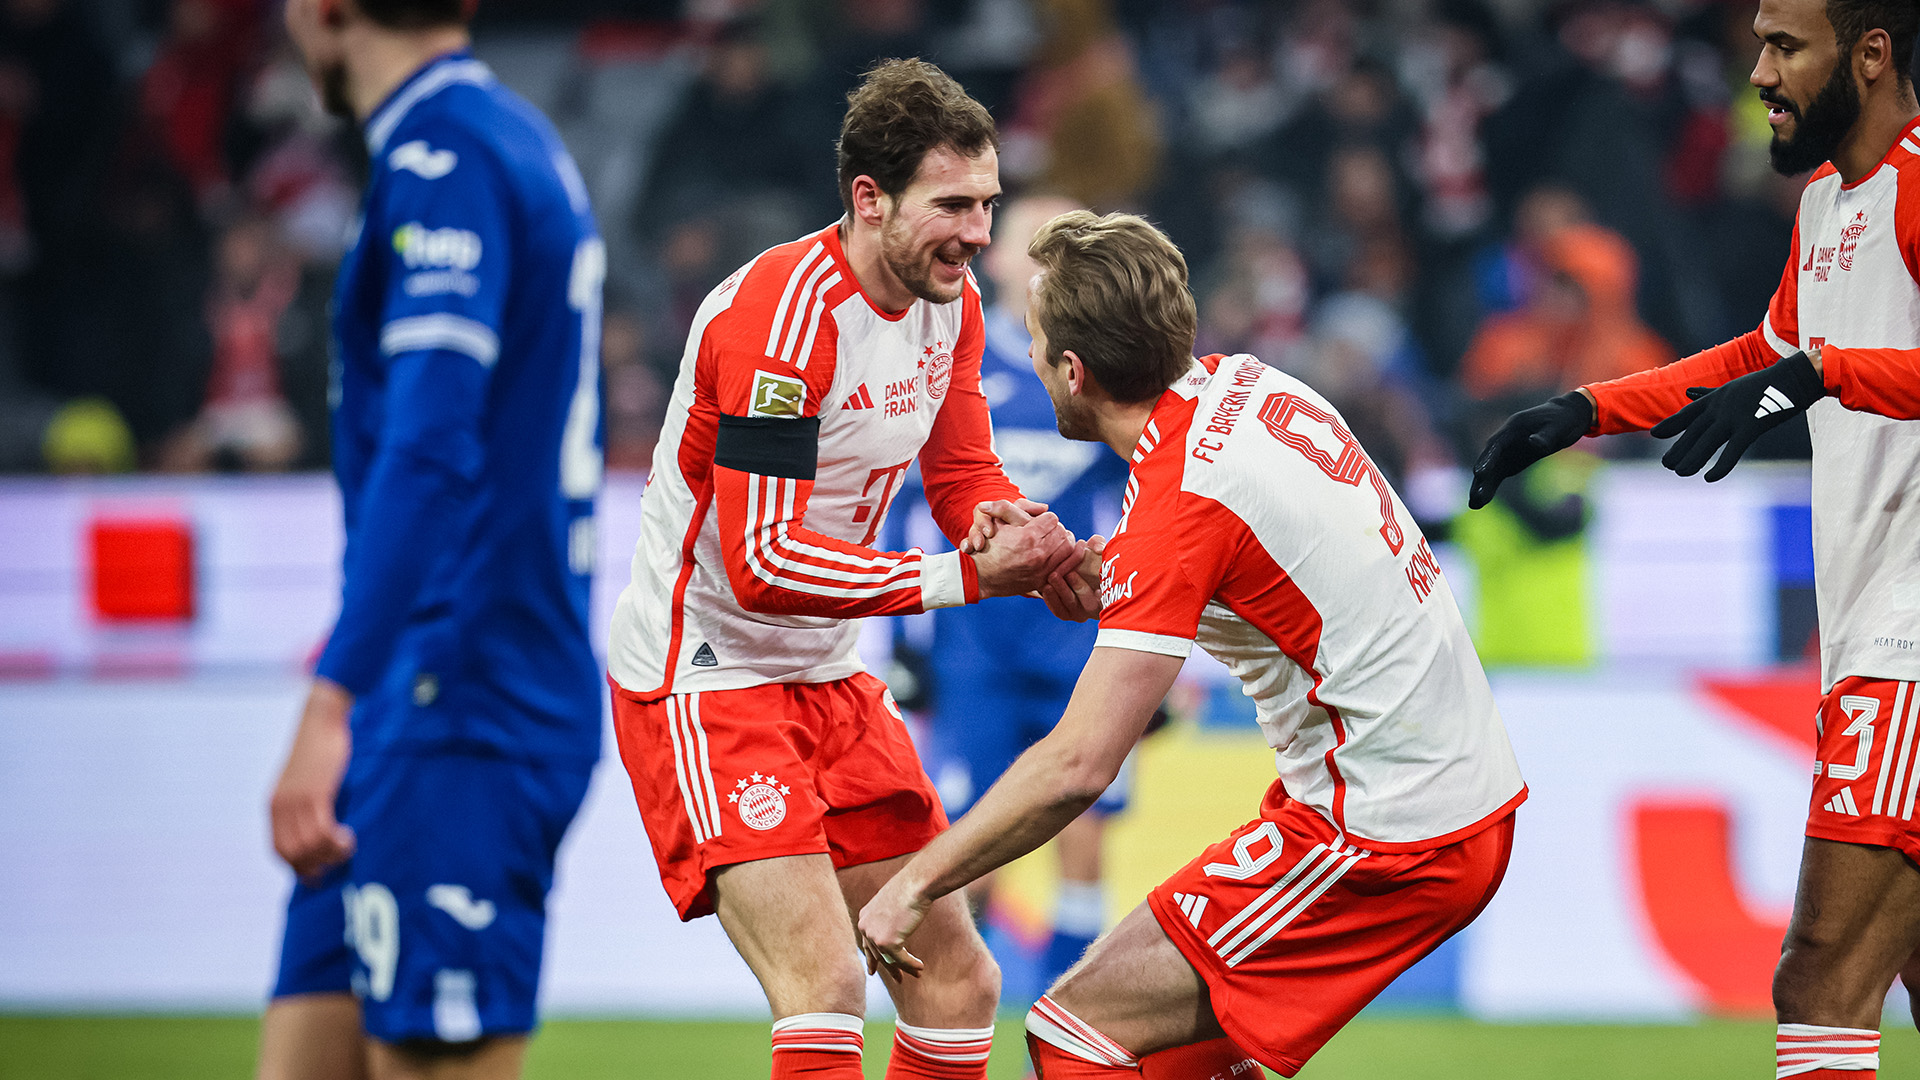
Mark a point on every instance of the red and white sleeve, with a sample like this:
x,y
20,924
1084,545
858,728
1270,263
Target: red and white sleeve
x,y
958,466
1638,401
765,454
1161,569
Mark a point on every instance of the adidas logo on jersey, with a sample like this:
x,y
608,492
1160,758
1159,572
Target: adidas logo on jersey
x,y
1771,402
1191,905
859,399
703,656
1843,803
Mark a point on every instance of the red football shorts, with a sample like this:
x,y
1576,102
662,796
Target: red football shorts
x,y
730,776
1866,779
1295,930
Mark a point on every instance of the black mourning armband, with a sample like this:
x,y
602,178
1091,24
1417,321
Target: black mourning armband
x,y
769,446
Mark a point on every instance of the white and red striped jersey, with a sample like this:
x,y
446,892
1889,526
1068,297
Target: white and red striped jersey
x,y
1853,288
1255,525
748,572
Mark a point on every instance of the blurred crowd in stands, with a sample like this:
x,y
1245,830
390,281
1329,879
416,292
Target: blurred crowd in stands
x,y
1432,210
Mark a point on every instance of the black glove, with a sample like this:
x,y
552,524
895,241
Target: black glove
x,y
1525,438
1736,414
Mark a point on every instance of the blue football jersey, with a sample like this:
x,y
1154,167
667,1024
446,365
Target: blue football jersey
x,y
466,421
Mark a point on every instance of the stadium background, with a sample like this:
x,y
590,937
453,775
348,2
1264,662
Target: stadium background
x,y
1430,209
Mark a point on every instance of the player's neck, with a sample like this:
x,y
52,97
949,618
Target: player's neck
x,y
1121,426
1883,117
380,60
860,243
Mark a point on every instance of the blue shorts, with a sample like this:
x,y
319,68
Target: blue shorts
x,y
984,718
437,922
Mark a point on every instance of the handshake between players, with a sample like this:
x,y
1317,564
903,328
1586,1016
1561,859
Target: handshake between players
x,y
1035,556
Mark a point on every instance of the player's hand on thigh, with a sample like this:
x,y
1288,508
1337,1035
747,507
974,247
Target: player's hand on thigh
x,y
884,926
305,832
989,516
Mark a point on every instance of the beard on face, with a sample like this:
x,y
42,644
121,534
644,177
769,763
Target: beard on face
x,y
1819,129
333,91
1073,417
915,269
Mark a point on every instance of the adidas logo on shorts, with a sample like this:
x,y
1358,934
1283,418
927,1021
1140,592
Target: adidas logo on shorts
x,y
703,656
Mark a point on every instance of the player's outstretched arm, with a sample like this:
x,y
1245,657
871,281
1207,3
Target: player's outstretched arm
x,y
1528,436
1045,789
763,477
1736,414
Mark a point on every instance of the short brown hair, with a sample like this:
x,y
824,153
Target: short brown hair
x,y
1115,292
899,112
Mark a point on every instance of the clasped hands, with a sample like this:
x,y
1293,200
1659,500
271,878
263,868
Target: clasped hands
x,y
1021,549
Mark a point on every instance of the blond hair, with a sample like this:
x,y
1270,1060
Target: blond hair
x,y
1114,290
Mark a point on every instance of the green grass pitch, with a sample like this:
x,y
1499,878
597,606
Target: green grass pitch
x,y
210,1048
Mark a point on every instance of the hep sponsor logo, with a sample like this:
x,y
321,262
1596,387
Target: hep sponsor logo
x,y
423,248
761,801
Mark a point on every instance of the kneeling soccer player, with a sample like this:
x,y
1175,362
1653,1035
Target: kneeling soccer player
x,y
1255,525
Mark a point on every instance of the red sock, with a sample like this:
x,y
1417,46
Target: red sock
x,y
939,1053
1215,1059
1814,1052
817,1046
1052,1063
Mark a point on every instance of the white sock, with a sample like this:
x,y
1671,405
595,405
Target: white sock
x,y
1805,1048
824,1031
960,1046
1081,909
1056,1026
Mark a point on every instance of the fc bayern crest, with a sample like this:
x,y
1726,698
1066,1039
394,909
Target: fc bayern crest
x,y
1850,239
761,801
939,374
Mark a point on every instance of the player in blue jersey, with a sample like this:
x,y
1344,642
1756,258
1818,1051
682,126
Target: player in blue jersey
x,y
1002,675
456,712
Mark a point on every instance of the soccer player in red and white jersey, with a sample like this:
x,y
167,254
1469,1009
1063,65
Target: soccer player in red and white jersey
x,y
778,785
1841,343
1255,526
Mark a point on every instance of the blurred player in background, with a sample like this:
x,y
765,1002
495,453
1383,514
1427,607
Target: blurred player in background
x,y
1841,343
777,782
1256,526
1001,676
467,447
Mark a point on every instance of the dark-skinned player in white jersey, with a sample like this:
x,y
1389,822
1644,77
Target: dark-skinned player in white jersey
x,y
1840,343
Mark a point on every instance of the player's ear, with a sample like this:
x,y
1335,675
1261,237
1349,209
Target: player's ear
x,y
870,204
1874,51
1076,371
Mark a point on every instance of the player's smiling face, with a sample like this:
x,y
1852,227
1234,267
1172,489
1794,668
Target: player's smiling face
x,y
1807,84
943,219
